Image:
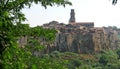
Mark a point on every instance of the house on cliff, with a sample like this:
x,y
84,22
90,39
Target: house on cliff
x,y
83,37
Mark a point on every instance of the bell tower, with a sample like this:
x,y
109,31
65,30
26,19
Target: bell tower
x,y
72,16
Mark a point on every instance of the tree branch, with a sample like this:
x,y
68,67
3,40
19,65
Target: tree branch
x,y
6,3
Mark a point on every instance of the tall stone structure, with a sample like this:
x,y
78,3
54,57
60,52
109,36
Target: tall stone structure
x,y
72,16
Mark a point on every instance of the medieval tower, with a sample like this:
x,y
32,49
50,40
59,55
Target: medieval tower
x,y
72,16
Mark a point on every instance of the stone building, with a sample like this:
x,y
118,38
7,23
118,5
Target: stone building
x,y
83,37
72,16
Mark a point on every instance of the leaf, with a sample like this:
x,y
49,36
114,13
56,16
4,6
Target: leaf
x,y
34,67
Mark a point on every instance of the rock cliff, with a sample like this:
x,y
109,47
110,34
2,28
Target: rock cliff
x,y
80,40
87,41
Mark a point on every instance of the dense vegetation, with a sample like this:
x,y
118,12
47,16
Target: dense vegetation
x,y
13,56
11,17
22,59
105,60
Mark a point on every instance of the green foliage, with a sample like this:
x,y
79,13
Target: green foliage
x,y
47,34
75,63
21,58
85,67
10,14
57,60
118,53
103,59
15,57
21,29
55,54
11,17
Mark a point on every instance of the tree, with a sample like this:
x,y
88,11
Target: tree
x,y
11,17
10,14
103,59
11,9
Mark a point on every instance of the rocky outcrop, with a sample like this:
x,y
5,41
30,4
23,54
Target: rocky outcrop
x,y
22,41
105,39
87,41
80,40
74,42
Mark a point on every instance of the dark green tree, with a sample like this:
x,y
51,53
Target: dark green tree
x,y
118,53
10,14
11,18
103,59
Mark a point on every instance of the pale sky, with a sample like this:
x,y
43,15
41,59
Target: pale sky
x,y
101,12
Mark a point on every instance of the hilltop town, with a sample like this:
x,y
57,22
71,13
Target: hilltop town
x,y
78,37
83,37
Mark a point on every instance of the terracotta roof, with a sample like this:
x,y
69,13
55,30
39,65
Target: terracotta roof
x,y
77,23
85,22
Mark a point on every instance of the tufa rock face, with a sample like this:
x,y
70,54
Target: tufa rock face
x,y
90,41
78,40
79,43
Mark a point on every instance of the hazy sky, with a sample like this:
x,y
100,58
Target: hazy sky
x,y
101,12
